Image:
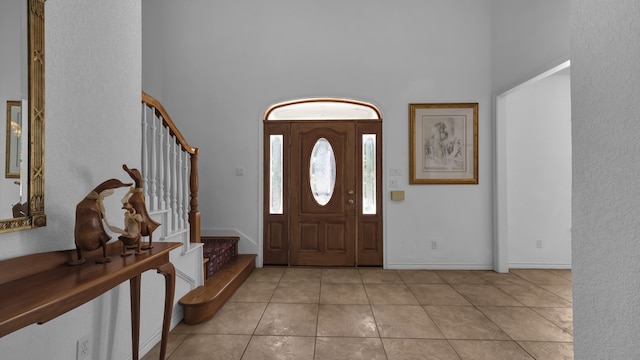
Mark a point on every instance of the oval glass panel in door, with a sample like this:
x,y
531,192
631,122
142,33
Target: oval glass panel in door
x,y
322,171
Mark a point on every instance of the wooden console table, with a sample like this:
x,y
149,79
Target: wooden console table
x,y
39,287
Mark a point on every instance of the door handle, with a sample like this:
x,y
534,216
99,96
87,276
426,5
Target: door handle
x,y
350,201
350,192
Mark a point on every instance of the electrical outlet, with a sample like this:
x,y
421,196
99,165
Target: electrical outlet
x,y
83,348
434,245
393,184
539,244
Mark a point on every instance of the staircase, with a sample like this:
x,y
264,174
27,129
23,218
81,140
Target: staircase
x,y
226,270
170,176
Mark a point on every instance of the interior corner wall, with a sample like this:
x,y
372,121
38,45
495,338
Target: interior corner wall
x,y
538,138
605,83
528,38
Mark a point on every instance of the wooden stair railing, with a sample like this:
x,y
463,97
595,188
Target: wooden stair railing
x,y
169,163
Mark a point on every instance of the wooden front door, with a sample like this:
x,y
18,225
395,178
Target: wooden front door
x,y
322,186
322,217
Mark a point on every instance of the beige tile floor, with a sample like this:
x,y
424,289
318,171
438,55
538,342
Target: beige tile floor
x,y
336,314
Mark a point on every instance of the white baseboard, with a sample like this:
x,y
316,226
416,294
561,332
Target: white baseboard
x,y
432,266
534,265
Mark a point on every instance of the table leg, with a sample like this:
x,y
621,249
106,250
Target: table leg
x,y
134,286
169,273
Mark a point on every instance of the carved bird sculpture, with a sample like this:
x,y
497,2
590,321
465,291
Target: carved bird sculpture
x,y
89,230
135,197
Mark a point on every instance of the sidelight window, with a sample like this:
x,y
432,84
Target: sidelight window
x,y
275,173
369,174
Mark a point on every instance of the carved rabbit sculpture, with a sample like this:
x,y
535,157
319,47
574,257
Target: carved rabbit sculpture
x,y
135,197
89,229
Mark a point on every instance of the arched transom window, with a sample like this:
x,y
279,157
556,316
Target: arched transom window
x,y
323,109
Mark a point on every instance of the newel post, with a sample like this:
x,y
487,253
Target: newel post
x,y
194,214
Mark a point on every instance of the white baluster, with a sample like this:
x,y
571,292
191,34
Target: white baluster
x,y
180,192
145,149
153,138
167,171
161,180
187,189
174,184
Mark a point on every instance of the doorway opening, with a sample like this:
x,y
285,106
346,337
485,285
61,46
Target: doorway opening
x,y
533,173
322,183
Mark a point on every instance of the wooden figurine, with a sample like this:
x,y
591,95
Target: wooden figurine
x,y
130,237
89,229
135,197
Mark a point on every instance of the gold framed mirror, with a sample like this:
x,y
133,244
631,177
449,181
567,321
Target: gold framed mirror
x,y
33,209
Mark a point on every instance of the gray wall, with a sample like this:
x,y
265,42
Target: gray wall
x,y
220,65
528,38
605,87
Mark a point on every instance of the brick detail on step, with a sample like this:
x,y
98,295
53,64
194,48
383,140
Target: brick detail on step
x,y
219,251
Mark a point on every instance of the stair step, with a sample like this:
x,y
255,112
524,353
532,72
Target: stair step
x,y
206,238
203,302
219,251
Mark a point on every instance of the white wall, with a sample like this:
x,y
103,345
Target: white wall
x,y
93,82
219,74
538,140
93,67
153,35
605,85
237,61
528,38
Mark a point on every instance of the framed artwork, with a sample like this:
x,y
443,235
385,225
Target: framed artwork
x,y
443,143
14,135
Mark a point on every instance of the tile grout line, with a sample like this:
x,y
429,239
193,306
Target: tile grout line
x,y
323,285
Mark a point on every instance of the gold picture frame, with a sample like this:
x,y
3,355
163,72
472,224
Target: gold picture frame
x,y
13,158
443,143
